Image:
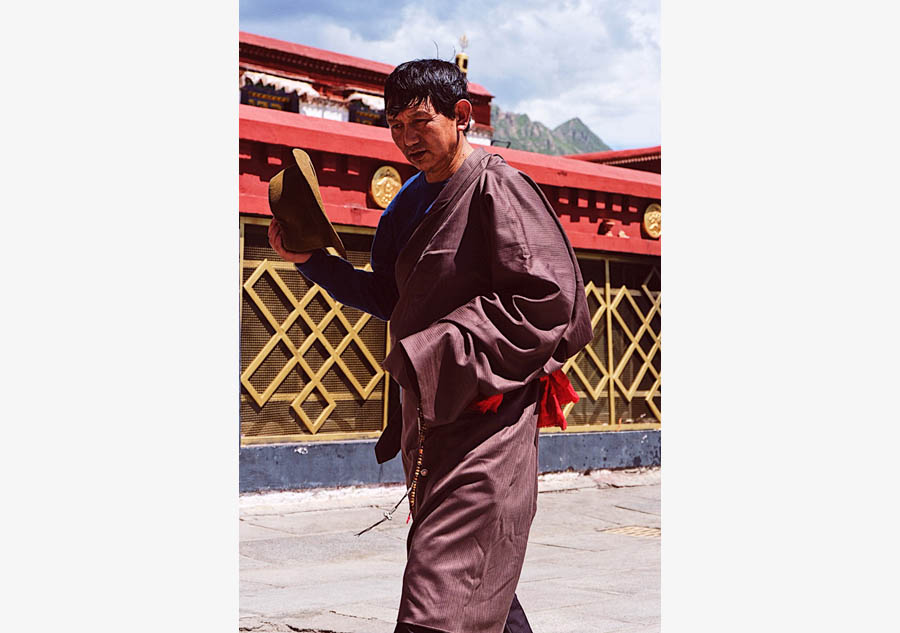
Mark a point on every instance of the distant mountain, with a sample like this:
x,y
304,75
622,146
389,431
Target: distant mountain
x,y
571,137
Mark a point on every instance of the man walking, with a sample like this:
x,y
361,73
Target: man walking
x,y
486,303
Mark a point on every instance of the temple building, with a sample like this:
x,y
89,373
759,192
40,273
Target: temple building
x,y
326,85
643,159
313,395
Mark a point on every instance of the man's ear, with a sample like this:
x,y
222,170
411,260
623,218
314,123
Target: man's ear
x,y
463,111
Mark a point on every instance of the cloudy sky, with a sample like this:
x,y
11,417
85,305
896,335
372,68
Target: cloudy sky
x,y
598,60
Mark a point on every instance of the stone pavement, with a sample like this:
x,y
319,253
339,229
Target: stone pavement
x,y
593,560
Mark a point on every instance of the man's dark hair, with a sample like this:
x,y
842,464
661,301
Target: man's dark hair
x,y
412,83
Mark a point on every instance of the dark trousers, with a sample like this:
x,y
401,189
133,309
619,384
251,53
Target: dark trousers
x,y
516,622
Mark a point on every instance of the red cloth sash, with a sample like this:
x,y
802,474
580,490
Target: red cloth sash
x,y
558,392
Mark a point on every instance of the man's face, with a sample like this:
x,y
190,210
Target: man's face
x,y
427,138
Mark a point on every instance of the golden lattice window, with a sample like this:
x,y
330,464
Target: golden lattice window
x,y
311,367
618,375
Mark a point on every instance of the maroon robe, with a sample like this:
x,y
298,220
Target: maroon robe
x,y
490,299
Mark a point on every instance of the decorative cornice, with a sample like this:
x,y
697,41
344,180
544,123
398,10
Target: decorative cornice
x,y
300,57
300,63
638,159
612,156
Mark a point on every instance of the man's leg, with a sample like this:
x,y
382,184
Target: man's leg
x,y
516,622
403,627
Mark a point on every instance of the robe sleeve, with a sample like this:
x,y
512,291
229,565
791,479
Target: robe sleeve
x,y
500,341
374,292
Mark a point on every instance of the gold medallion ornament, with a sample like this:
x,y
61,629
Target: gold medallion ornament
x,y
385,184
652,217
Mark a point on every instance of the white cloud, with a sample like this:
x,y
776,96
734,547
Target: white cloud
x,y
599,61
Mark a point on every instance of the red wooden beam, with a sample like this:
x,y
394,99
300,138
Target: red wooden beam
x,y
296,130
356,139
600,206
559,171
619,154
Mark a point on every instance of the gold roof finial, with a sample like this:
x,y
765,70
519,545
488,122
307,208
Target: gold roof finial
x,y
462,60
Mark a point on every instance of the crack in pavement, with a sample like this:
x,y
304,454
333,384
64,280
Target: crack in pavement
x,y
655,514
358,617
577,549
303,534
266,625
545,492
255,560
266,527
288,512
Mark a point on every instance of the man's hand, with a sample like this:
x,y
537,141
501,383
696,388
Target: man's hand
x,y
275,241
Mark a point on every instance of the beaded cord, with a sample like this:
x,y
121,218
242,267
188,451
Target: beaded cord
x,y
387,515
411,492
419,457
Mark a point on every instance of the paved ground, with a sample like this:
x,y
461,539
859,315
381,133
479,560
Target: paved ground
x,y
592,563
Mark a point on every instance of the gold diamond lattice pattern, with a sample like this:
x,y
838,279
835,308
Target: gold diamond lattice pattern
x,y
590,352
626,348
633,313
335,319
